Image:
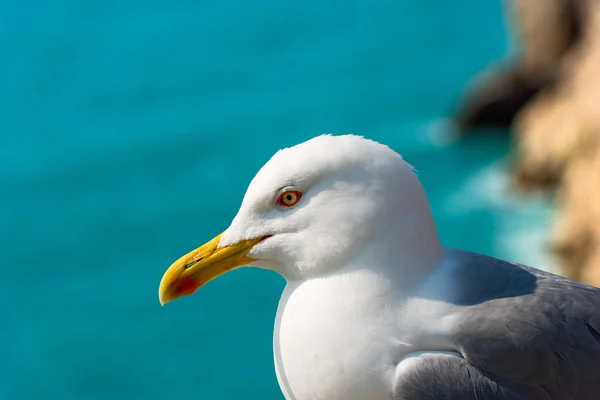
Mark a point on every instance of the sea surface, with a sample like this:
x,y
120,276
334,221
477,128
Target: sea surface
x,y
129,131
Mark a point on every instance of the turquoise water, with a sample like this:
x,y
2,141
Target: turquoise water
x,y
128,134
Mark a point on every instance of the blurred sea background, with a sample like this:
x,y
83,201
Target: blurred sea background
x,y
129,131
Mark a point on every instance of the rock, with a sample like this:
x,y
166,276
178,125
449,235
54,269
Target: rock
x,y
497,96
546,31
576,235
558,144
550,96
558,124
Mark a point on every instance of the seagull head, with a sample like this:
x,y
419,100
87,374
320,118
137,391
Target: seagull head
x,y
311,210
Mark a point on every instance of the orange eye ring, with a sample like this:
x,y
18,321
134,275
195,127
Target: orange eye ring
x,y
289,198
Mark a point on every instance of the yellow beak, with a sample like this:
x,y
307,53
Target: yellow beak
x,y
202,265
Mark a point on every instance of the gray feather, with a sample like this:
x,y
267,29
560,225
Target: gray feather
x,y
521,332
447,377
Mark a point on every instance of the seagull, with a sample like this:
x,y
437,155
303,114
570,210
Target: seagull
x,y
375,308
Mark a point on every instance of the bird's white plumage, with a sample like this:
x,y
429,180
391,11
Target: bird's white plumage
x,y
352,250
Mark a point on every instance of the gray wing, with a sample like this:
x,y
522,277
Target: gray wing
x,y
521,331
448,377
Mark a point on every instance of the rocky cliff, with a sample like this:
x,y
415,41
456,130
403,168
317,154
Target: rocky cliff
x,y
549,95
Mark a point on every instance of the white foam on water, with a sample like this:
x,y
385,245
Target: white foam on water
x,y
521,224
441,132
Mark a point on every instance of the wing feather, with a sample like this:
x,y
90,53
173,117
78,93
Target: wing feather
x,y
520,331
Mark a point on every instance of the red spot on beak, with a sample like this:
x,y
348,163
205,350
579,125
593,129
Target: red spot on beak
x,y
187,287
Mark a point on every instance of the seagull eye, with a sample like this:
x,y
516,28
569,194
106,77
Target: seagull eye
x,y
289,198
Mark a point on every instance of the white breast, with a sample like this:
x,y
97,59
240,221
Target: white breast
x,y
338,338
